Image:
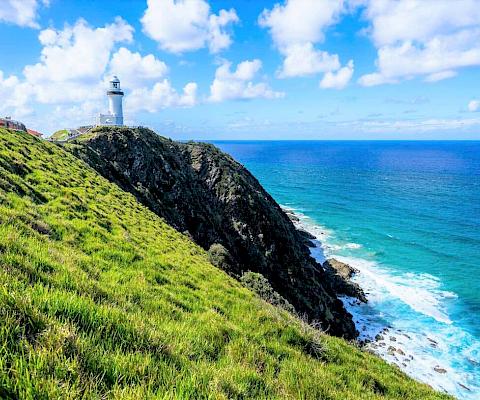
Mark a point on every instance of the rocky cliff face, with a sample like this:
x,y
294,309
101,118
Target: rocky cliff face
x,y
208,195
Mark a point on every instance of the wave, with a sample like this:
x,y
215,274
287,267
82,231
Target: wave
x,y
419,291
405,321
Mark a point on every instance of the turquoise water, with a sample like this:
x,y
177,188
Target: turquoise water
x,y
407,215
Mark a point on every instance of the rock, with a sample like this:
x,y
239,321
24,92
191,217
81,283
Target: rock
x,y
401,352
440,370
342,269
473,362
465,387
391,350
197,188
307,237
290,214
393,338
339,275
379,337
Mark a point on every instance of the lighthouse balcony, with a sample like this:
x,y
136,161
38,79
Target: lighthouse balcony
x,y
115,92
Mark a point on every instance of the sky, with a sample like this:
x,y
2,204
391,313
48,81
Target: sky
x,y
247,69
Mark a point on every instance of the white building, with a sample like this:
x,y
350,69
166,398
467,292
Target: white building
x,y
115,109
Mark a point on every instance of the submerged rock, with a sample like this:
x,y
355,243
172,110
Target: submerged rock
x,y
440,370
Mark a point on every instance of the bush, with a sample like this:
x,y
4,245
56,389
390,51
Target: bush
x,y
219,256
261,286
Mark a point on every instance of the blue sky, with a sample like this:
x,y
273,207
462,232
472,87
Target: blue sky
x,y
199,69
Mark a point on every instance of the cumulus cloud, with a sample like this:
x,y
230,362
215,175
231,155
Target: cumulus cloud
x,y
186,25
295,27
428,38
339,79
300,21
21,12
303,59
161,95
474,105
75,63
135,69
70,70
79,51
238,84
13,96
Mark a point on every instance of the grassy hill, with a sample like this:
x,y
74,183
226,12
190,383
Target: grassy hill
x,y
62,134
101,299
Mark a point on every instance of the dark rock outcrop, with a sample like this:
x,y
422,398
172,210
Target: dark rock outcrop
x,y
339,279
208,195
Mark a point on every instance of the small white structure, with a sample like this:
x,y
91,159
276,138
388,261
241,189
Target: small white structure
x,y
115,109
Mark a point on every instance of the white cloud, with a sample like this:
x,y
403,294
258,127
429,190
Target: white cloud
x,y
426,125
78,52
304,59
218,39
70,78
474,105
375,79
239,84
21,12
186,25
296,26
13,99
300,21
440,76
339,79
429,38
160,96
135,69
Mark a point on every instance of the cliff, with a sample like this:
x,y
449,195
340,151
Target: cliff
x,y
101,299
206,194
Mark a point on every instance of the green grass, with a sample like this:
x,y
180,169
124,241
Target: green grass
x,y
101,299
62,134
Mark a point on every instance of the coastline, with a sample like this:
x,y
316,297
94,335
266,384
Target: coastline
x,y
417,353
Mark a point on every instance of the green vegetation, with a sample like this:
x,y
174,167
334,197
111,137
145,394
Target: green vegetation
x,y
262,287
101,299
60,135
219,256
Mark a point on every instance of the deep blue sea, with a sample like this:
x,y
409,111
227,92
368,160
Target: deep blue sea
x,y
407,215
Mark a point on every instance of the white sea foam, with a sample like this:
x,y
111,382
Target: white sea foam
x,y
405,320
353,246
420,291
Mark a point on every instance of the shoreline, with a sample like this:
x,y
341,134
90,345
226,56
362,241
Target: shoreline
x,y
396,345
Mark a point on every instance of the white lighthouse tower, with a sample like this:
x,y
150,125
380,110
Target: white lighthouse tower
x,y
115,109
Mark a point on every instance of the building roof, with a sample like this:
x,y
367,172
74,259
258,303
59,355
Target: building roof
x,y
34,133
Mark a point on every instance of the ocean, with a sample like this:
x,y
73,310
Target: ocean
x,y
407,216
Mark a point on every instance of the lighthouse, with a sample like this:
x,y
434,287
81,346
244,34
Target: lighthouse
x,y
115,108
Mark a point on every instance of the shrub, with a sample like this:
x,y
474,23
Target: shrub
x,y
219,256
261,286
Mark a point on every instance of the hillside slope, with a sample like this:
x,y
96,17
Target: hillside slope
x,y
102,299
202,191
